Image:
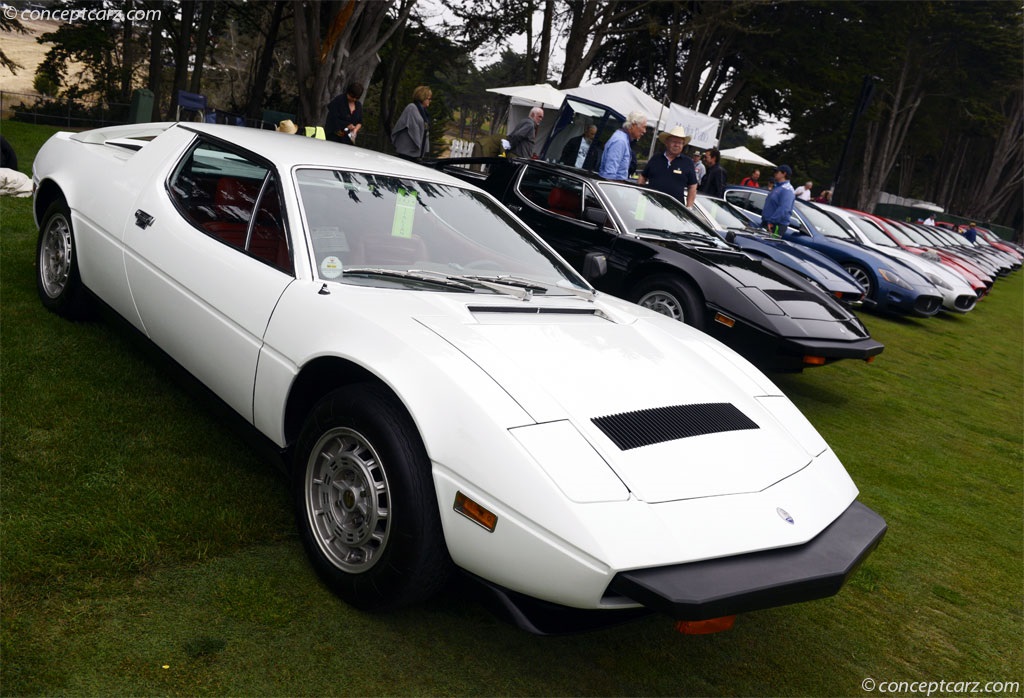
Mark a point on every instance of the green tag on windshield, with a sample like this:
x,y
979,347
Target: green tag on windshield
x,y
641,208
405,209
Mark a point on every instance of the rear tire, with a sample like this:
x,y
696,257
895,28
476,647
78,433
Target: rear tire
x,y
57,279
670,296
366,508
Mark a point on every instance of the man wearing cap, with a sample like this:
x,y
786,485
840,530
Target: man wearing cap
x,y
778,207
698,165
672,172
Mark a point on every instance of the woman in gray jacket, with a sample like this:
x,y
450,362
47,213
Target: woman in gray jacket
x,y
411,134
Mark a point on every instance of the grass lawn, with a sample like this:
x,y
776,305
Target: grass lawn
x,y
146,548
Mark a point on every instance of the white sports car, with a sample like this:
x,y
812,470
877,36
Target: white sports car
x,y
446,391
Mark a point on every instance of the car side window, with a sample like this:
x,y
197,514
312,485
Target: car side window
x,y
234,199
553,192
753,202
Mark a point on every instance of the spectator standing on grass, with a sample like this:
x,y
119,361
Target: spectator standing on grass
x,y
752,180
803,192
345,115
618,151
524,136
714,181
778,207
411,134
672,172
970,234
581,151
698,166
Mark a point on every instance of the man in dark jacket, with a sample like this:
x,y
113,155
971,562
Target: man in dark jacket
x,y
714,181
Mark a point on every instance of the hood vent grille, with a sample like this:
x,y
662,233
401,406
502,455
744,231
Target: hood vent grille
x,y
531,310
630,430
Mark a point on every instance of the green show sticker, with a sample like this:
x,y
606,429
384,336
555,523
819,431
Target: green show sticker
x,y
405,210
641,208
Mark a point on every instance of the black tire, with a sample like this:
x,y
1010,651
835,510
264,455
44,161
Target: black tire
x,y
58,282
860,274
375,552
670,296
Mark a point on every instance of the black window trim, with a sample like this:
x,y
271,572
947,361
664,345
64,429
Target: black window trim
x,y
584,185
198,138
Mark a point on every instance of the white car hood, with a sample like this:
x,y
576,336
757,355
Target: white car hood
x,y
578,367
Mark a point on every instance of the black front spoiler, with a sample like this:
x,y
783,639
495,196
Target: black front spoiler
x,y
731,585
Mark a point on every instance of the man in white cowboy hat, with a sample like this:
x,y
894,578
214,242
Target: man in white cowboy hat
x,y
672,172
287,126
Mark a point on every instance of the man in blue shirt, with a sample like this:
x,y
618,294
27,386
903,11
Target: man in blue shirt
x,y
778,207
617,153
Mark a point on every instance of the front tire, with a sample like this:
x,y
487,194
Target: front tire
x,y
670,296
366,508
57,279
862,277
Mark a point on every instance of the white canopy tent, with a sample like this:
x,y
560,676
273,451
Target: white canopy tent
x,y
540,95
621,96
745,155
523,98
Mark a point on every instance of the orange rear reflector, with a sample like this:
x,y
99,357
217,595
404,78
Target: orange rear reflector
x,y
870,360
724,319
474,512
705,627
815,360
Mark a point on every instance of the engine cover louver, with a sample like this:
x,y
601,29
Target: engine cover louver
x,y
630,430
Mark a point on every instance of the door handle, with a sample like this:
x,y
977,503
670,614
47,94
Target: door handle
x,y
143,219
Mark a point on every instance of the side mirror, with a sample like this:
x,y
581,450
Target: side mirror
x,y
595,264
596,216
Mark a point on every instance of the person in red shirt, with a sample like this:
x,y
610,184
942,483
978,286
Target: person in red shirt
x,y
751,181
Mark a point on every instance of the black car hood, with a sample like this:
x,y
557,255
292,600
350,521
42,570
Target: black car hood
x,y
774,295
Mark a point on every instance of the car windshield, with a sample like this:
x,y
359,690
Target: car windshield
x,y
907,236
872,232
646,212
724,215
384,230
824,224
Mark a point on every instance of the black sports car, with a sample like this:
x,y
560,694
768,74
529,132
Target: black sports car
x,y
642,245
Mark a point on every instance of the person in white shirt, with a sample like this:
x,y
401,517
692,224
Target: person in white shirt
x,y
804,192
577,150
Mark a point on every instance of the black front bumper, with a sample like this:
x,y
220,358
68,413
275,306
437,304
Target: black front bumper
x,y
731,585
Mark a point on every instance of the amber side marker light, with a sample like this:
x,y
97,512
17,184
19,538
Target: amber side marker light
x,y
870,360
724,319
474,512
705,627
815,360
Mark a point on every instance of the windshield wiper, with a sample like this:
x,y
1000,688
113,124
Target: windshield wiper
x,y
415,275
686,235
530,284
457,281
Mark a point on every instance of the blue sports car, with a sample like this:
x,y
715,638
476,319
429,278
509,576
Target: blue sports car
x,y
731,224
889,285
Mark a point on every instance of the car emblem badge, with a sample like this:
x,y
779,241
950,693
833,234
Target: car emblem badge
x,y
784,515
